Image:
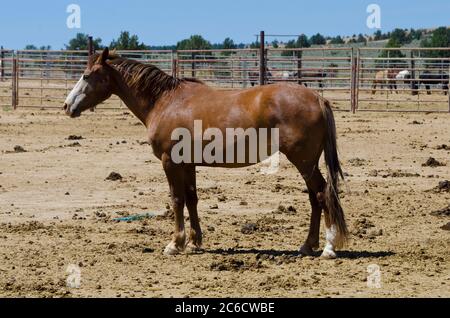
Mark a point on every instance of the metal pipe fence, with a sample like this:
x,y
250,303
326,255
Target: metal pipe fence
x,y
354,79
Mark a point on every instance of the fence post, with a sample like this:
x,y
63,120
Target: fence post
x,y
413,74
15,83
299,55
91,48
262,59
2,66
448,89
358,68
353,83
174,67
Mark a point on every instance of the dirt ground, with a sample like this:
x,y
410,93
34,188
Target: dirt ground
x,y
58,209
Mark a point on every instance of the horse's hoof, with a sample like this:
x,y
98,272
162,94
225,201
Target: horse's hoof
x,y
328,254
194,249
306,250
171,249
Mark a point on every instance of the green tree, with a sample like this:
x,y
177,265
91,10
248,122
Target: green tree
x,y
399,36
275,44
337,40
128,42
378,35
303,42
439,38
80,42
228,44
255,45
361,39
30,47
195,42
392,54
318,39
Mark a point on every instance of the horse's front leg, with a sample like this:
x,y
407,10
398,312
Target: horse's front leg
x,y
175,177
190,190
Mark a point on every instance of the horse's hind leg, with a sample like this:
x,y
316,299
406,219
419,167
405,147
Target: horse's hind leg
x,y
315,183
190,189
316,187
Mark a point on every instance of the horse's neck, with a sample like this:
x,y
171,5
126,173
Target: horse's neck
x,y
131,98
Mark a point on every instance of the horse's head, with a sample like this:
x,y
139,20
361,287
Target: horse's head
x,y
94,86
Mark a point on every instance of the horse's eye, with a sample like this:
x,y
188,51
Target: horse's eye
x,y
86,76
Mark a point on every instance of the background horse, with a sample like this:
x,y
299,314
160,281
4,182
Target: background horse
x,y
385,78
165,104
427,78
307,77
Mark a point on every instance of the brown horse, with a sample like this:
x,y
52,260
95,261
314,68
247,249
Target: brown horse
x,y
385,78
164,104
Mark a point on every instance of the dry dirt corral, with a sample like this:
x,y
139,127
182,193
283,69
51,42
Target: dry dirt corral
x,y
57,209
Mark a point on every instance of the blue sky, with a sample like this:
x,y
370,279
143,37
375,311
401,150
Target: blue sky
x,y
166,22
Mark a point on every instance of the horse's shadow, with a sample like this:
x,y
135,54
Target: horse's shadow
x,y
275,253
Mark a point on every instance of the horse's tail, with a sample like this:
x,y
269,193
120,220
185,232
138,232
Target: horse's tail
x,y
332,202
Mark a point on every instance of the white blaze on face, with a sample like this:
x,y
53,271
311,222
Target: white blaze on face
x,y
77,94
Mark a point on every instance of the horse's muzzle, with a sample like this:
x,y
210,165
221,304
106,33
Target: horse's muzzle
x,y
69,112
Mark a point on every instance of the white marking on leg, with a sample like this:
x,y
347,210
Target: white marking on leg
x,y
331,234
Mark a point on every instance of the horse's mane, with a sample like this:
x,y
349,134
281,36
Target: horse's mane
x,y
147,79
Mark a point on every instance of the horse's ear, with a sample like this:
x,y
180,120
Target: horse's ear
x,y
103,57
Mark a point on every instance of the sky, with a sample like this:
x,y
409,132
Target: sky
x,y
166,22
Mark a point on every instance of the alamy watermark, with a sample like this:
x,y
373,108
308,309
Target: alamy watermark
x,y
374,18
238,146
74,278
74,19
374,276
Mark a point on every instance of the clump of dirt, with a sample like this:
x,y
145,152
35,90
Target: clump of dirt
x,y
74,137
443,186
249,228
373,173
400,174
446,227
442,212
235,265
415,122
22,227
264,225
19,149
75,144
285,189
285,210
363,227
431,162
443,147
114,176
358,162
168,214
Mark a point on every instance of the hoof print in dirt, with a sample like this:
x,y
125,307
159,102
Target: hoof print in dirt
x,y
114,176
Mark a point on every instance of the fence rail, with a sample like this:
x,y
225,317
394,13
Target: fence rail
x,y
354,79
